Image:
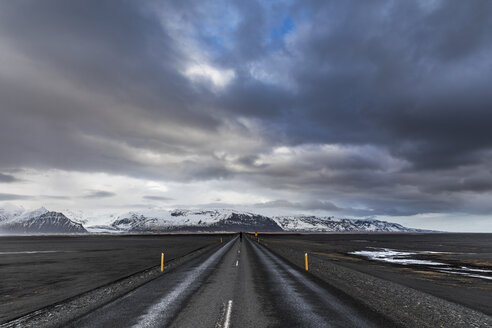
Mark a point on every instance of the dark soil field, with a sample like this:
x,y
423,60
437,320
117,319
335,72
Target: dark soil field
x,y
463,273
36,271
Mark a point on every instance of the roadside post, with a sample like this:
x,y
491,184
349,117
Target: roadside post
x,y
306,261
162,262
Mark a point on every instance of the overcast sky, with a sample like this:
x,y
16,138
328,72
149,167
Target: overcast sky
x,y
351,108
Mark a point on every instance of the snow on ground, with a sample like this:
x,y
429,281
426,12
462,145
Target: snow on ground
x,y
464,273
407,258
395,256
102,229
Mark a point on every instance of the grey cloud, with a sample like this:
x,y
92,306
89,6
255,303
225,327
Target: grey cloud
x,y
309,205
4,196
407,86
478,181
7,178
99,194
159,198
55,197
109,52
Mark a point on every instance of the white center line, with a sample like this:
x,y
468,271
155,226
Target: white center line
x,y
237,262
227,321
155,315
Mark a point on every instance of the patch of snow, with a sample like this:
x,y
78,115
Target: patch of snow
x,y
101,229
34,213
394,256
475,270
445,270
405,258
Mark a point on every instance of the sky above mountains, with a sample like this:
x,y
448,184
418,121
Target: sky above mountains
x,y
349,108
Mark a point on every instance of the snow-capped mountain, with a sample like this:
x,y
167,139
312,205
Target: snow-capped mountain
x,y
331,224
18,221
10,211
194,220
231,220
91,217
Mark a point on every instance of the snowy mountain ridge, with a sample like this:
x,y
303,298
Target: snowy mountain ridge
x,y
19,213
233,220
194,220
17,219
332,224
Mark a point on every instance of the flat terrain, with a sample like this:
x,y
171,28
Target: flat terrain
x,y
37,271
463,262
246,282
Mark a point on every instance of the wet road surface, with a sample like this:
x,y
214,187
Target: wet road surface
x,y
240,284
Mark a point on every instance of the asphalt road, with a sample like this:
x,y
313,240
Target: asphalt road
x,y
240,284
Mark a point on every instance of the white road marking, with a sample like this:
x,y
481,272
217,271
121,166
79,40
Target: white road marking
x,y
237,262
227,321
32,252
156,314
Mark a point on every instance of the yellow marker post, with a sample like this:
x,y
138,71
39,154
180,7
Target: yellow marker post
x,y
306,261
256,233
258,240
221,240
162,262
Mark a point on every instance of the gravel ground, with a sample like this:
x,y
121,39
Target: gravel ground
x,y
37,271
60,314
406,306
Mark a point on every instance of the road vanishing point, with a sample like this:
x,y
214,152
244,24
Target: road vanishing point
x,y
237,284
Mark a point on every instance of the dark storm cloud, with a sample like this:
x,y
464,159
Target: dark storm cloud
x,y
7,178
99,194
401,90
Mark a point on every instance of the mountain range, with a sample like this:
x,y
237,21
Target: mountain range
x,y
16,220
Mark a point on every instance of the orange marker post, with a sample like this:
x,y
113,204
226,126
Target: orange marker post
x,y
306,261
162,262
